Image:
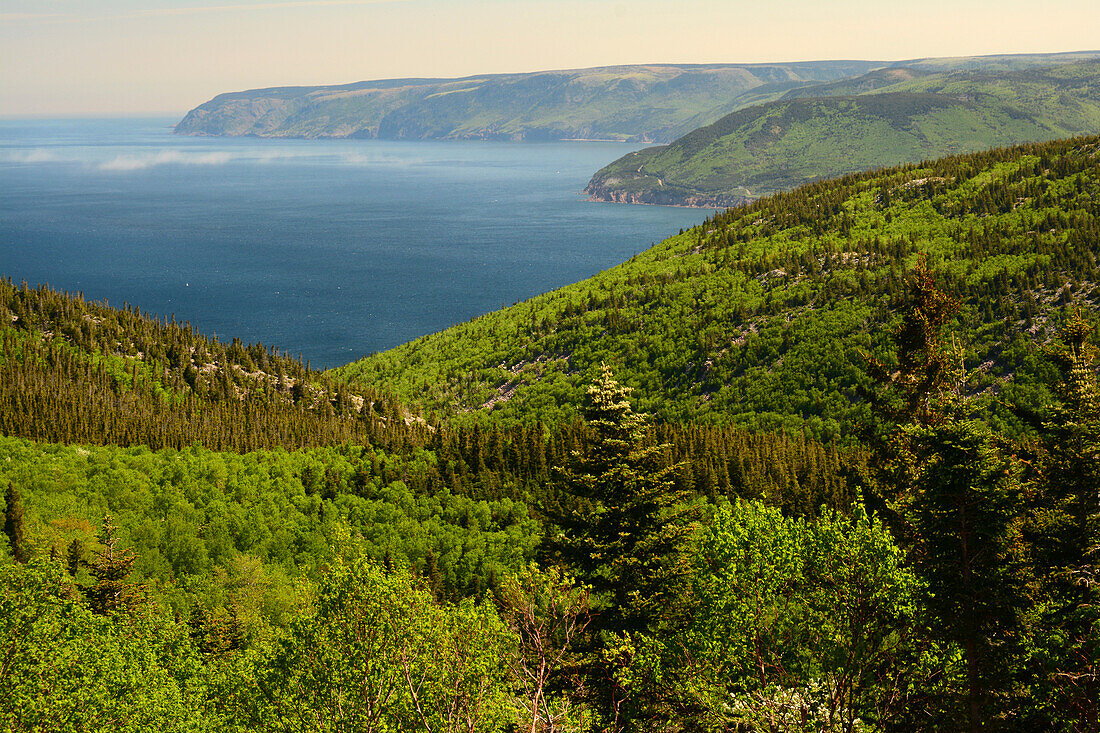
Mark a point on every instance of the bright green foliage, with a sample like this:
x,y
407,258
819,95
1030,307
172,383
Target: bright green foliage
x,y
625,521
759,316
66,669
892,116
794,621
548,613
365,649
206,526
375,652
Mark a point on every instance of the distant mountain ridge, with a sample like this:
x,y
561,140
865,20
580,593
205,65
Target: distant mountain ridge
x,y
641,103
900,114
649,103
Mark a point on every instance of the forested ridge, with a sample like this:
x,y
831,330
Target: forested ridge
x,y
759,316
184,559
107,375
208,536
956,590
651,102
889,116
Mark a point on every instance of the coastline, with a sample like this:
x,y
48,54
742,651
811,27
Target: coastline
x,y
699,207
719,202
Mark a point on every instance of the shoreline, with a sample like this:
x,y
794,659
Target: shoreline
x,y
705,204
593,200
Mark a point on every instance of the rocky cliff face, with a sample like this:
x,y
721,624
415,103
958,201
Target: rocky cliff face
x,y
610,189
663,198
226,115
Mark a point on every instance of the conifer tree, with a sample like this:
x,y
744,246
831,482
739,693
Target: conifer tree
x,y
1067,526
433,577
952,491
626,521
927,370
966,498
13,523
74,557
111,568
620,527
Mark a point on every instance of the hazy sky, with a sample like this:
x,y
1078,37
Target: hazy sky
x,y
64,57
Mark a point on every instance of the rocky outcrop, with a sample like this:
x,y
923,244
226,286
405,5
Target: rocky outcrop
x,y
228,115
607,190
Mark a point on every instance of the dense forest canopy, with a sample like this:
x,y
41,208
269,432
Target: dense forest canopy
x,y
759,316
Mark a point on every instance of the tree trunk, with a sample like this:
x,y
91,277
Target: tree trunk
x,y
974,690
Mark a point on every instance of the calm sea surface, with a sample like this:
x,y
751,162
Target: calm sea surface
x,y
328,249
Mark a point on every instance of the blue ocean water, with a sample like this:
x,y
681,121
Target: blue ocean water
x,y
330,249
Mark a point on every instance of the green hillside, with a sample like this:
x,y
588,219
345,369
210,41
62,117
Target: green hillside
x,y
118,376
235,477
759,316
883,118
646,103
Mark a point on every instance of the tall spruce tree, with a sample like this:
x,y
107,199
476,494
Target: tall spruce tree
x,y
13,523
966,500
1067,528
619,529
953,492
625,520
74,557
927,373
111,568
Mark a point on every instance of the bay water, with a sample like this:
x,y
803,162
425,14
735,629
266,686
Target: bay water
x,y
328,249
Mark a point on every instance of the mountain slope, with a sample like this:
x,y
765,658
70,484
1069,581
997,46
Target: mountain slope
x,y
647,103
110,376
886,117
759,316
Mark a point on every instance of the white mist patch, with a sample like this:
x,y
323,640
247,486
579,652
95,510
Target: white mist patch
x,y
271,156
32,155
377,159
164,157
282,155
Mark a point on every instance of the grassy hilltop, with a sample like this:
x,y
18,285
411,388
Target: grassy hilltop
x,y
759,316
886,117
